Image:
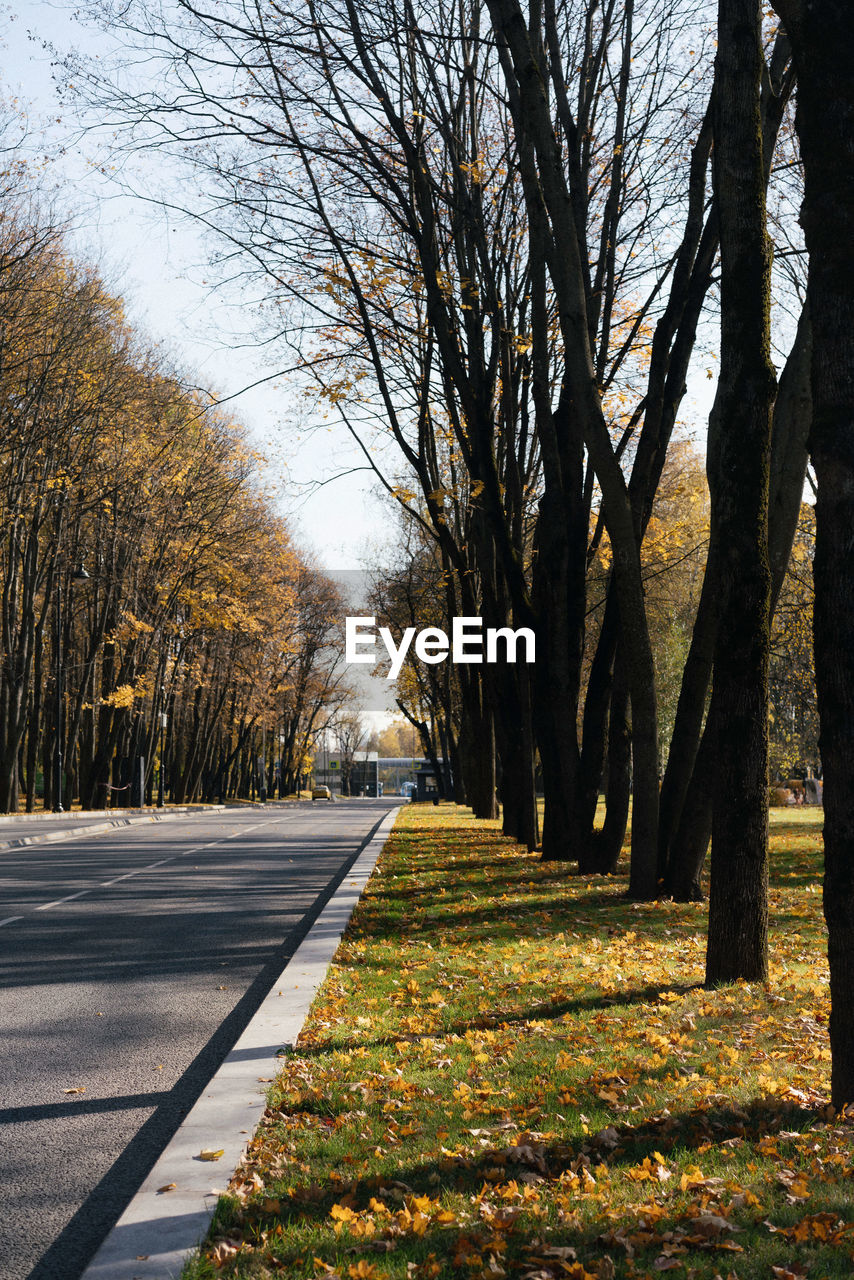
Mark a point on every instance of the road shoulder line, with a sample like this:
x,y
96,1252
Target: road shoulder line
x,y
160,1228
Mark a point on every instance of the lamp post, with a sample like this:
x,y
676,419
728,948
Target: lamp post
x,y
79,575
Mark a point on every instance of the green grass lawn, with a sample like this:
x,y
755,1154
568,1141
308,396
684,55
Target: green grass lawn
x,y
511,1071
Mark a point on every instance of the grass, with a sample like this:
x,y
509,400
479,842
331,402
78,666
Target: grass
x,y
511,1071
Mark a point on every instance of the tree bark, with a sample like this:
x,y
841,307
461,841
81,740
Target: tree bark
x,y
558,599
683,753
597,699
678,834
607,844
822,36
739,457
694,830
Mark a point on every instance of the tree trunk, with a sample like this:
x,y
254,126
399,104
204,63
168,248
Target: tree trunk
x,y
596,702
514,737
486,799
558,594
791,422
739,456
694,831
688,727
477,747
607,844
822,36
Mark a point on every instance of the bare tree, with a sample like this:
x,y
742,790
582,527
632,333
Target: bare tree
x,y
349,733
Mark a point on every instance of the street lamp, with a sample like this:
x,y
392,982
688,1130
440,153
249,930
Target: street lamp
x,y
79,575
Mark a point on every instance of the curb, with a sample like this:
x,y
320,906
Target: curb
x,y
98,828
160,1229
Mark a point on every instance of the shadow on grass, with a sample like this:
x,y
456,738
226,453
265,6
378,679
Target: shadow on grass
x,y
504,1018
720,1135
538,1164
535,917
475,872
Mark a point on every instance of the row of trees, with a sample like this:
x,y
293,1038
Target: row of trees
x,y
510,260
411,593
498,238
152,604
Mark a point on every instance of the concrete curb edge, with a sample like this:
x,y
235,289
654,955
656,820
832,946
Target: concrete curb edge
x,y
160,1228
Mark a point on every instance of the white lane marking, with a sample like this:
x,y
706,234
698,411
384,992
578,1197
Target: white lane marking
x,y
150,866
46,906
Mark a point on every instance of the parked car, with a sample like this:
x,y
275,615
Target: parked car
x,y
321,793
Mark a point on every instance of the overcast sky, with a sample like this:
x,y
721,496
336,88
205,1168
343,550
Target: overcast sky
x,y
158,267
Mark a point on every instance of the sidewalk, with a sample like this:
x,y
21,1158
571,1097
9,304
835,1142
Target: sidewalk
x,y
20,829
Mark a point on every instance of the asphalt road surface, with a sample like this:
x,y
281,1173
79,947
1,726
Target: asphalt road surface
x,y
130,962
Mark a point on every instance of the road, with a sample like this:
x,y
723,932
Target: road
x,y
130,962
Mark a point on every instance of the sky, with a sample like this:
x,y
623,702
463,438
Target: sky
x,y
158,266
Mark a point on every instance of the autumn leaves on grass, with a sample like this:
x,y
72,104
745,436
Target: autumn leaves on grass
x,y
511,1071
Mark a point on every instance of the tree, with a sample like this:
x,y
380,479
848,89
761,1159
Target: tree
x,y
408,197
107,461
738,467
673,553
822,37
349,733
472,242
397,740
687,797
414,594
794,727
312,682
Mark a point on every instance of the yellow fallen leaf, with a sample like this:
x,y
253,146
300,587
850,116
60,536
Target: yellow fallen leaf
x,y
80,1088
223,1251
209,1154
170,1186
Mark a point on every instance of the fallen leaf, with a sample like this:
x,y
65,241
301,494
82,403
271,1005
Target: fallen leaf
x,y
364,1270
711,1224
209,1154
224,1250
170,1186
607,1138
